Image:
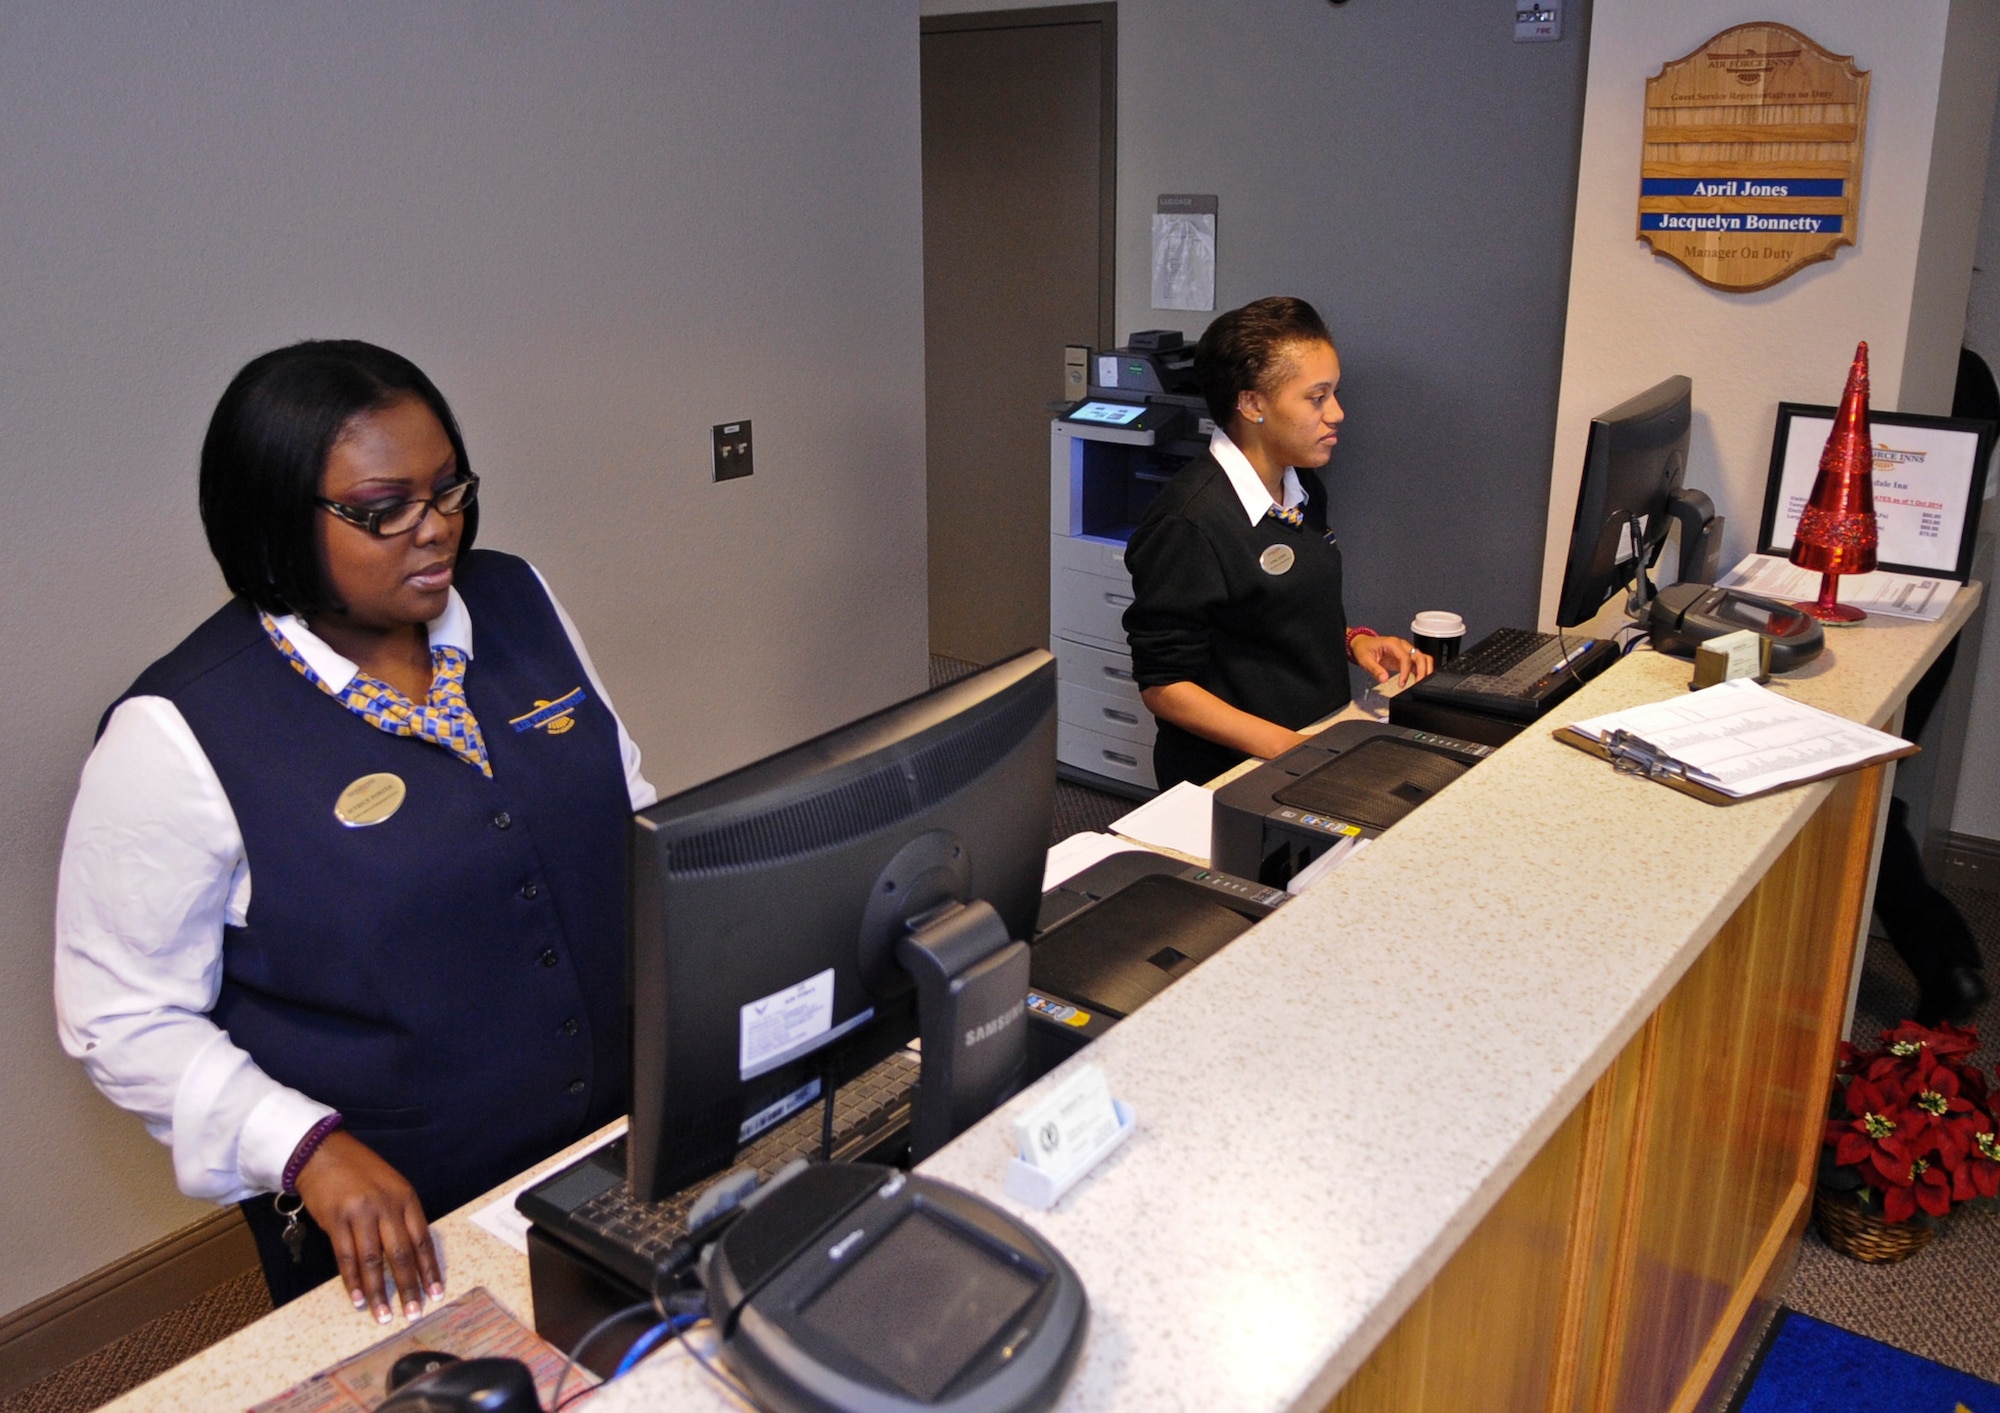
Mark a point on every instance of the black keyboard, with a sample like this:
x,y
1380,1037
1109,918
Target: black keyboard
x,y
590,1205
1517,673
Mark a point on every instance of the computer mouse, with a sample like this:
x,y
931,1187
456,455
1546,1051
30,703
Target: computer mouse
x,y
412,1366
466,1386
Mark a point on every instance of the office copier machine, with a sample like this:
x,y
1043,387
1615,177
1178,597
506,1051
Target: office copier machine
x,y
1109,455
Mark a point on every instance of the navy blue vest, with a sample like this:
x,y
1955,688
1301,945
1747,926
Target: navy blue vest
x,y
452,979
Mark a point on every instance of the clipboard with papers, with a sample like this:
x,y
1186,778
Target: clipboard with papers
x,y
1733,741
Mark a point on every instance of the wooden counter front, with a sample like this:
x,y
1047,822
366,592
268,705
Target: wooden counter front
x,y
1619,1269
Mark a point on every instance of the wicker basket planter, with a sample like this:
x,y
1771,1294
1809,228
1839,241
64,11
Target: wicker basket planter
x,y
1858,1231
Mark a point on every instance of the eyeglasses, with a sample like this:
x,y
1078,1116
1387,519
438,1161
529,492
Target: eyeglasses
x,y
405,515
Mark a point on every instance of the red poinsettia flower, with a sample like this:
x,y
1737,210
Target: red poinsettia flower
x,y
1979,1174
1882,1139
1944,1041
1936,1093
1922,1186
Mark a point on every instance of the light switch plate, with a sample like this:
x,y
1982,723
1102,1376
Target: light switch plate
x,y
732,450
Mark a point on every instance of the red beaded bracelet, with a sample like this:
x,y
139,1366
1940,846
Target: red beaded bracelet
x,y
308,1146
1358,632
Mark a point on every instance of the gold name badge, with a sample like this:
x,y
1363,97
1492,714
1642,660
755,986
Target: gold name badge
x,y
1276,559
369,800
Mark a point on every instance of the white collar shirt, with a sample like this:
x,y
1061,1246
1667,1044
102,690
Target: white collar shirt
x,y
1244,480
450,629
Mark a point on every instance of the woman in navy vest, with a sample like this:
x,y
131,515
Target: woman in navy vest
x,y
340,913
1239,635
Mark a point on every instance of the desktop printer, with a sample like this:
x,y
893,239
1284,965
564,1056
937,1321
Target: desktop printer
x,y
1351,781
1118,934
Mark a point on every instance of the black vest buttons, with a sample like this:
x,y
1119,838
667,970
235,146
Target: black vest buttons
x,y
531,891
548,957
570,1027
503,820
576,1086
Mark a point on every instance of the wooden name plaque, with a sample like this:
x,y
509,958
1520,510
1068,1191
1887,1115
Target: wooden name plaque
x,y
1751,169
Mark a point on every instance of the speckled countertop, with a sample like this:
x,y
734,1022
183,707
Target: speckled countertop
x,y
1295,1180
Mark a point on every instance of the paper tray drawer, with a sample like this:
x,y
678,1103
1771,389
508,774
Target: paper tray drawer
x,y
1090,606
1096,669
1099,711
1126,761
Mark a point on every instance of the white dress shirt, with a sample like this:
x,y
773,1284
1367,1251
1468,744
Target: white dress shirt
x,y
1248,485
152,868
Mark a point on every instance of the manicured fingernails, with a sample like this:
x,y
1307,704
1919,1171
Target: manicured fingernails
x,y
360,1300
382,1315
412,1309
437,1290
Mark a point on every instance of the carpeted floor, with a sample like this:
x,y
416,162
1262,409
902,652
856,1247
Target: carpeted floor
x,y
1938,1305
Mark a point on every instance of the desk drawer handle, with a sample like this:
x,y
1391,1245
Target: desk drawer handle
x,y
1117,674
1125,716
1130,762
1117,600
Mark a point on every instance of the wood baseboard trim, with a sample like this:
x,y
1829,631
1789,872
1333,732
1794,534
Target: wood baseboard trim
x,y
1973,862
111,1302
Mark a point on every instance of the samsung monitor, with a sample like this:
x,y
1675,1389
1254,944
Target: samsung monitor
x,y
795,921
1630,497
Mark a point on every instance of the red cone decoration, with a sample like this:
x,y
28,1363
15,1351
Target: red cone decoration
x,y
1836,533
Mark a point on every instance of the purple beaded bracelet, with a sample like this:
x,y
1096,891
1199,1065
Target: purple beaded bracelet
x,y
308,1146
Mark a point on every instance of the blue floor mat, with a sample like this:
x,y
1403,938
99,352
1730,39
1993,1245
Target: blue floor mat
x,y
1809,1366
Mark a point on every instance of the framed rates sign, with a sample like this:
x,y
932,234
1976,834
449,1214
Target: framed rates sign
x,y
1751,168
1929,475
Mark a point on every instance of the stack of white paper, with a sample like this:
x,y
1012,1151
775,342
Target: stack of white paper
x,y
1917,596
1077,853
1177,819
1741,739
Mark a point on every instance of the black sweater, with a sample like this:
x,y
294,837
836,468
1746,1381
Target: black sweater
x,y
1206,610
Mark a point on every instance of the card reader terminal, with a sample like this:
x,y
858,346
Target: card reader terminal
x,y
1685,615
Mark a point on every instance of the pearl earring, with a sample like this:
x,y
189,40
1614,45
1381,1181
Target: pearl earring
x,y
1260,421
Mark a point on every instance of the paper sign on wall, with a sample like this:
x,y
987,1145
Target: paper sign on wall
x,y
1184,253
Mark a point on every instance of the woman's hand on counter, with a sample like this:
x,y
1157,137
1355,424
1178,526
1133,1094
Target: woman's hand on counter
x,y
371,1214
1383,658
1200,712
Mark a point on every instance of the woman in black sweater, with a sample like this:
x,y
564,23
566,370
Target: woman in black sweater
x,y
1238,634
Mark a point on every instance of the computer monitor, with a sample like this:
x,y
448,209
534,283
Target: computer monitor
x,y
1630,496
800,919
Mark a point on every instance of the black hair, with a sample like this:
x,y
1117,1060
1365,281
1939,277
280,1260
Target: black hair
x,y
1244,350
267,447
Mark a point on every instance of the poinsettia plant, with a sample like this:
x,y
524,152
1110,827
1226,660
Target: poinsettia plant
x,y
1914,1130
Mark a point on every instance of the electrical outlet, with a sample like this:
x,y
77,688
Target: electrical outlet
x,y
732,450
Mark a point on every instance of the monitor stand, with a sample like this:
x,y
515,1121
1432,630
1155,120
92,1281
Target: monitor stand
x,y
972,990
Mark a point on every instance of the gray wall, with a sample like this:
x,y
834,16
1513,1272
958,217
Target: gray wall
x,y
600,227
1412,171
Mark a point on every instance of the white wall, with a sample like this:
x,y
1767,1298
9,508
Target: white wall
x,y
601,227
1409,169
1635,318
